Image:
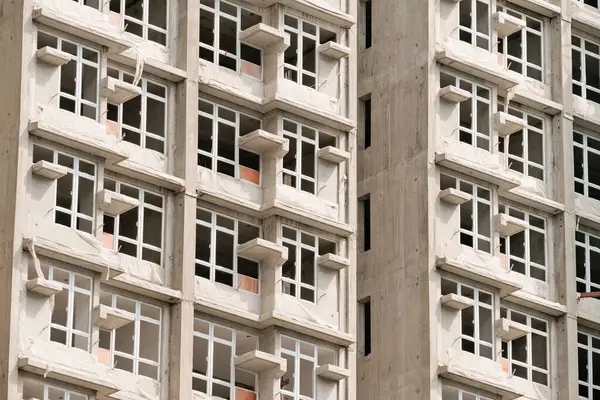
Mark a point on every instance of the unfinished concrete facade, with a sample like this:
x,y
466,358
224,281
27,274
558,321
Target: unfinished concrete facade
x,y
479,210
179,199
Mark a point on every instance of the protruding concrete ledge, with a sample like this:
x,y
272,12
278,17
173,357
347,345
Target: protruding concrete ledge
x,y
334,50
506,25
262,250
333,372
114,204
453,94
52,56
260,362
43,287
509,330
588,312
264,142
533,200
492,275
542,7
529,300
585,18
318,9
507,124
507,225
469,167
456,302
144,173
333,154
48,170
263,36
530,99
118,92
333,261
110,318
454,196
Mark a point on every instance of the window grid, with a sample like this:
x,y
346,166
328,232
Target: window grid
x,y
482,304
151,135
144,250
474,25
591,3
70,288
586,158
519,248
217,52
44,391
300,71
530,46
587,255
588,351
299,354
525,148
526,368
210,379
136,359
140,20
452,393
216,223
295,273
586,61
218,149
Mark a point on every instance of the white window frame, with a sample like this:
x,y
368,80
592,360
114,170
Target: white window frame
x,y
527,240
524,61
587,247
459,393
583,2
296,282
135,358
212,265
216,48
297,354
300,33
528,365
141,208
582,83
586,149
209,378
589,349
509,158
71,288
473,30
144,22
214,154
67,394
144,96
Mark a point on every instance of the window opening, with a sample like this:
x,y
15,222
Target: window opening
x,y
218,131
367,118
75,192
134,347
528,355
474,23
452,393
587,262
220,25
43,391
368,9
213,371
139,231
217,237
523,50
299,381
586,68
144,18
592,3
588,357
79,78
366,206
367,326
586,159
143,119
526,250
300,163
475,214
477,322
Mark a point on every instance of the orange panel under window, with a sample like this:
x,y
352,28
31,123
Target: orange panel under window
x,y
250,175
108,240
505,365
503,261
104,356
243,394
248,284
112,128
250,69
114,19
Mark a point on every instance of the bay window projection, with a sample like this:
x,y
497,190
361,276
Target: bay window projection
x,y
477,322
526,251
588,357
474,23
586,68
219,129
217,238
452,393
43,391
301,163
299,271
220,25
586,160
523,51
213,369
133,347
475,114
528,355
475,214
71,316
143,119
587,262
524,149
301,58
75,192
137,232
300,380
144,18
79,78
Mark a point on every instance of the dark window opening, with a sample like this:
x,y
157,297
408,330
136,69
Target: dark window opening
x,y
366,203
367,326
367,127
368,24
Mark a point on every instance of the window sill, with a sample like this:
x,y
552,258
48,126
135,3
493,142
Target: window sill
x,y
585,18
586,112
588,210
588,313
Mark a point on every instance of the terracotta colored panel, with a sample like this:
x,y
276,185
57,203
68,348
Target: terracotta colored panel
x,y
250,175
250,69
104,356
108,240
243,394
505,365
114,19
503,261
248,284
112,128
